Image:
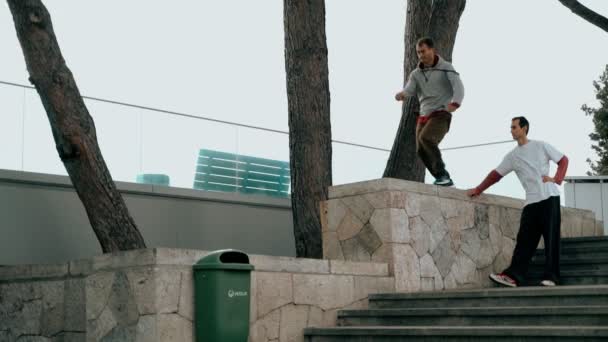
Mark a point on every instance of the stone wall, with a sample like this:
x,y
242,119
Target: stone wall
x,y
147,295
379,236
436,238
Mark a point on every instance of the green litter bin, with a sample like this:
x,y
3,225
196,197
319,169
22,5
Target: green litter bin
x,y
222,282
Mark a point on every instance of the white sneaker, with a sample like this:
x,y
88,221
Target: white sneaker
x,y
444,181
547,283
503,279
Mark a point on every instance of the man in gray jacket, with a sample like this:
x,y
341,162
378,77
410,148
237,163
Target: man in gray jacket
x,y
440,92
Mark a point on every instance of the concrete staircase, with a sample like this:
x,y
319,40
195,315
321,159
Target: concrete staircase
x,y
583,261
576,311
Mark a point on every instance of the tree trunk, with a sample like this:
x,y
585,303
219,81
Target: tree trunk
x,y
586,13
73,128
403,162
438,19
309,120
443,25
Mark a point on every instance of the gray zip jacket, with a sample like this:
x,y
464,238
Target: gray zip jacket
x,y
436,86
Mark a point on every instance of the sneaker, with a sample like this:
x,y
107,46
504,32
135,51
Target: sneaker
x,y
444,181
503,279
548,283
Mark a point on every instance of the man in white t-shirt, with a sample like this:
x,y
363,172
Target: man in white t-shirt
x,y
541,214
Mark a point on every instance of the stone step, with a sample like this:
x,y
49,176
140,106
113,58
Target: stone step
x,y
585,240
585,281
578,252
570,272
580,260
568,265
494,297
582,246
457,334
572,276
482,316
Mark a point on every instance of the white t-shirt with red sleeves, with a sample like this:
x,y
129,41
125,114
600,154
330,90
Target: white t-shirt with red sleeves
x,y
530,163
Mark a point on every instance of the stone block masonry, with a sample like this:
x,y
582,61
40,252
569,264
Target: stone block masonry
x,y
433,238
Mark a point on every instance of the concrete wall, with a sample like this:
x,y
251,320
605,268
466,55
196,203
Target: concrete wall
x,y
147,295
43,221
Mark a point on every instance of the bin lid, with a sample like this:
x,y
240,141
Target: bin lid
x,y
225,259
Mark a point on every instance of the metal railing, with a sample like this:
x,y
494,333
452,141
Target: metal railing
x,y
157,140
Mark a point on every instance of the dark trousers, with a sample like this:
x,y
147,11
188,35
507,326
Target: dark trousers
x,y
537,219
428,137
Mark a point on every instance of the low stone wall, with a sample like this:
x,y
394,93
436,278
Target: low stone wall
x,y
147,295
436,238
378,236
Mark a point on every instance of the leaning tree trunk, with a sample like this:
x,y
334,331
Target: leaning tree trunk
x,y
586,13
403,162
309,121
439,20
73,128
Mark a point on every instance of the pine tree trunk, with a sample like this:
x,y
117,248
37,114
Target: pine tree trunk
x,y
73,128
586,13
438,19
309,119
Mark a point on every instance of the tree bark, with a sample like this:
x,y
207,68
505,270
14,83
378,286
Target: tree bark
x,y
438,19
73,128
403,162
443,25
586,13
309,119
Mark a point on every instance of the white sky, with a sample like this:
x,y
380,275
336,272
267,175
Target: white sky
x,y
224,59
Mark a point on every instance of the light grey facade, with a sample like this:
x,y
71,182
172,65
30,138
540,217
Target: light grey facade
x,y
43,221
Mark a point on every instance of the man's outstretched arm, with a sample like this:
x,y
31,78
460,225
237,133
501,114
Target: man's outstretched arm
x,y
492,178
408,90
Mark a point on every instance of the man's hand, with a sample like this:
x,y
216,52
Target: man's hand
x,y
547,179
473,192
452,108
400,96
